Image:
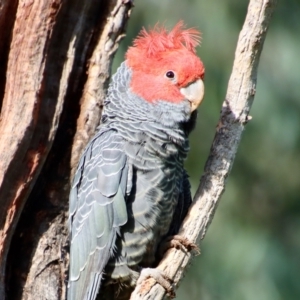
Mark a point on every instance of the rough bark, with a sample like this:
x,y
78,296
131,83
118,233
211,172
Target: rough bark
x,y
54,71
234,115
54,67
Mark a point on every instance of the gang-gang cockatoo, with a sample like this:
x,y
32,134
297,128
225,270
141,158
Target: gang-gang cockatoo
x,y
130,189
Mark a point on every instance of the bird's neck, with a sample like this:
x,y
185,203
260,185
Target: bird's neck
x,y
160,124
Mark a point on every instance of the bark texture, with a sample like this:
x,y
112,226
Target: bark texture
x,y
55,58
234,115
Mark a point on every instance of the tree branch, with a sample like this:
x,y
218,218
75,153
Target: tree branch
x,y
234,116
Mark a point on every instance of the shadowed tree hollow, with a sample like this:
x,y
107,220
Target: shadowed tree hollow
x,y
55,59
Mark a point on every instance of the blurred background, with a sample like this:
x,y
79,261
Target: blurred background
x,y
252,248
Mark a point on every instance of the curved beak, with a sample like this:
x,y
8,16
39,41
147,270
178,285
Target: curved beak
x,y
194,92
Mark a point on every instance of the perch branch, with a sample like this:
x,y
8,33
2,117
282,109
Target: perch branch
x,y
234,115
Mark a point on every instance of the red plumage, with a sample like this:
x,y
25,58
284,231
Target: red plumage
x,y
158,51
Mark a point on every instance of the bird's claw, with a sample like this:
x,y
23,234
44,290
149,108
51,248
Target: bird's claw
x,y
157,276
178,242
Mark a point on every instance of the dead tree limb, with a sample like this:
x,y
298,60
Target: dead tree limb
x,y
234,116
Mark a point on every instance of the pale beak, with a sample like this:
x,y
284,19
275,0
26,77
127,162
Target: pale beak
x,y
194,92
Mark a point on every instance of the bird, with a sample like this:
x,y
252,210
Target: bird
x,y
131,190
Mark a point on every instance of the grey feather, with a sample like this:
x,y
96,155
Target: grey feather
x,y
130,190
97,210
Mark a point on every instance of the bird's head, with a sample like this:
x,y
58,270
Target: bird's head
x,y
165,66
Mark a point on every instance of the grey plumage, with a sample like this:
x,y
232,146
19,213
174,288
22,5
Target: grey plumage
x,y
129,184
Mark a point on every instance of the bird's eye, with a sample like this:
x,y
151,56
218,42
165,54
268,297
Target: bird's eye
x,y
170,75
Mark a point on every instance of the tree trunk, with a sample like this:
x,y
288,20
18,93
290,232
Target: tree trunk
x,y
55,59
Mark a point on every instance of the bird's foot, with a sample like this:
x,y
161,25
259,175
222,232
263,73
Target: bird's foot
x,y
149,277
178,242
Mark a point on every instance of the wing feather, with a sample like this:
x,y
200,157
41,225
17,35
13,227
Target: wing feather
x,y
97,210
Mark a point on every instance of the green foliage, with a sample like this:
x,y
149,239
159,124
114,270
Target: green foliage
x,y
252,249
